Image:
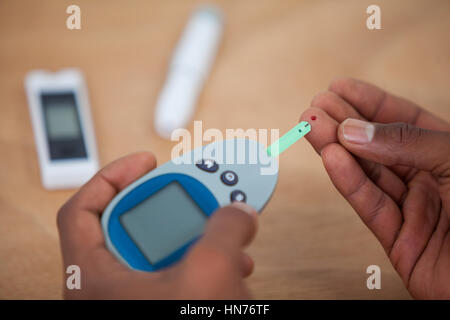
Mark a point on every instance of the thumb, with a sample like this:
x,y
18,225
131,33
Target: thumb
x,y
228,231
397,144
231,227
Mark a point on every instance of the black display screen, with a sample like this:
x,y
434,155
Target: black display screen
x,y
63,126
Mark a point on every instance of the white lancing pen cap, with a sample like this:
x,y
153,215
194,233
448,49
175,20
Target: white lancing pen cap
x,y
190,65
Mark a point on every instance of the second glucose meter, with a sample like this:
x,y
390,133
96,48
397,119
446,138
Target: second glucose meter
x,y
151,223
62,125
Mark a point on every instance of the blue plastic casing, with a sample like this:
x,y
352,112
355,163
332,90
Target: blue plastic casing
x,y
119,236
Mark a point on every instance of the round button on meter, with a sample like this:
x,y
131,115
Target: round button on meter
x,y
229,178
238,195
207,165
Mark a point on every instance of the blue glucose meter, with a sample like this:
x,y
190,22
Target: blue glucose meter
x,y
152,223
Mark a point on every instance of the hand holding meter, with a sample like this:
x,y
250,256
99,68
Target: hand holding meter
x,y
222,246
152,222
62,126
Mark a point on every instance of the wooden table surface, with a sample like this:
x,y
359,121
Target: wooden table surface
x,y
276,55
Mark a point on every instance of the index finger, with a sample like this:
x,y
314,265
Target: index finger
x,y
79,218
377,105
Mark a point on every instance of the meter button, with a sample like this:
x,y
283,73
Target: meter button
x,y
238,195
229,178
207,165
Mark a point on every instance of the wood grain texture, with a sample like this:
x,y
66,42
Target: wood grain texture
x,y
276,55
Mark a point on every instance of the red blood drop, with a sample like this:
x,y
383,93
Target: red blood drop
x,y
313,118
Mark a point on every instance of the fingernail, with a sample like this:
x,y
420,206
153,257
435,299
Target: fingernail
x,y
357,131
244,207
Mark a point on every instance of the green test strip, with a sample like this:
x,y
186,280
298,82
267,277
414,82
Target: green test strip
x,y
289,139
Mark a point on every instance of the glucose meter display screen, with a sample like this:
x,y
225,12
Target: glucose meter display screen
x,y
62,124
164,222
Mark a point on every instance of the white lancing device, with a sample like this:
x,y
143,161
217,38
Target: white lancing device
x,y
190,65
